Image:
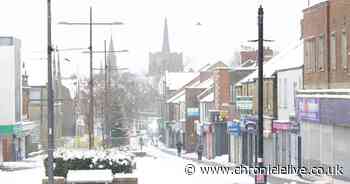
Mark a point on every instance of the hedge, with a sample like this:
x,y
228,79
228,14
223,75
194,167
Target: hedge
x,y
63,163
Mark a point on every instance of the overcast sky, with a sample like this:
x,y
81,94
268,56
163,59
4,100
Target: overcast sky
x,y
226,24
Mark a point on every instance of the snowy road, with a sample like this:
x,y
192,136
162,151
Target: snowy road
x,y
164,168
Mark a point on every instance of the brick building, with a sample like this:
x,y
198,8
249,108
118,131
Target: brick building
x,y
250,54
325,125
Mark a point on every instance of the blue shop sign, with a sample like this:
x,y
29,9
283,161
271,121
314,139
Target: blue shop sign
x,y
250,124
233,128
193,112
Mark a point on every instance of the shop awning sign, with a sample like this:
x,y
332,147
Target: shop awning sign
x,y
193,112
278,126
233,127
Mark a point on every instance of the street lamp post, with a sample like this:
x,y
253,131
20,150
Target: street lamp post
x,y
91,104
260,178
50,118
107,70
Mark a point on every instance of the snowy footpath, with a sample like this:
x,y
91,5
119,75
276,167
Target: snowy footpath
x,y
29,171
159,168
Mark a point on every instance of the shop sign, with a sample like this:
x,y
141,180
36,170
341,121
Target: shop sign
x,y
309,109
278,126
250,124
244,104
233,127
193,112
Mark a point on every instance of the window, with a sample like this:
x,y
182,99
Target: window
x,y
313,60
306,56
344,49
310,55
321,53
232,93
285,92
333,51
280,95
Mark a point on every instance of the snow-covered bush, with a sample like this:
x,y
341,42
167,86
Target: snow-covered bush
x,y
64,160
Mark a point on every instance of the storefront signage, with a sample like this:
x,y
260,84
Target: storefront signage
x,y
250,124
233,127
193,112
309,109
244,104
280,126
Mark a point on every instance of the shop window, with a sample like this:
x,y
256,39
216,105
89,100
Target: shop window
x,y
306,56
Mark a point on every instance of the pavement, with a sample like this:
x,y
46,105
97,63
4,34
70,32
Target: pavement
x,y
271,178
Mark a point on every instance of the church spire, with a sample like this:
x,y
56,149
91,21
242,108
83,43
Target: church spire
x,y
112,60
166,47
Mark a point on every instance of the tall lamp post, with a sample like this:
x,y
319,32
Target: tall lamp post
x,y
91,104
50,118
260,159
107,69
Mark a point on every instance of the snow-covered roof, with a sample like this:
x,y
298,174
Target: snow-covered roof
x,y
291,57
179,97
205,84
241,67
204,93
175,80
208,98
194,84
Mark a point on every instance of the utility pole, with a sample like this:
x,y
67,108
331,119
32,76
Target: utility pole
x,y
50,147
108,70
106,109
91,104
260,178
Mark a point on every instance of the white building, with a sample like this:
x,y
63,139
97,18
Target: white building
x,y
10,99
289,80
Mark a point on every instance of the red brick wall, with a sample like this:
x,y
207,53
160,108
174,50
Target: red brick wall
x,y
7,148
339,20
221,88
327,17
252,55
315,23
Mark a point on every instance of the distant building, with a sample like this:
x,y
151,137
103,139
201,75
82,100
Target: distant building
x,y
162,61
249,54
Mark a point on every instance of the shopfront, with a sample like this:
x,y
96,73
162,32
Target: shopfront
x,y
234,130
208,139
285,141
325,131
249,146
